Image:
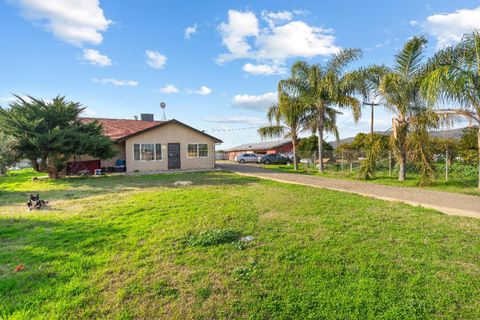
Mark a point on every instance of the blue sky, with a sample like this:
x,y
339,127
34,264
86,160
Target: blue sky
x,y
214,63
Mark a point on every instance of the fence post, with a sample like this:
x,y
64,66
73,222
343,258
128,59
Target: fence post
x,y
389,163
342,160
446,164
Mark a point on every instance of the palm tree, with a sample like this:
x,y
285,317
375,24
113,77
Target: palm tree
x,y
455,77
287,120
400,90
366,81
321,88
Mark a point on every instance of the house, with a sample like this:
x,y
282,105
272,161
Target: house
x,y
147,145
283,147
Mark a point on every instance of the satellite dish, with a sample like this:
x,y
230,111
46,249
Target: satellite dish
x,y
163,105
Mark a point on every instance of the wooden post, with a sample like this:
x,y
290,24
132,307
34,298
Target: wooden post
x,y
389,163
446,164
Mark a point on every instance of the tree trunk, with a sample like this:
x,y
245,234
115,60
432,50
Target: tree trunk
x,y
402,163
320,141
295,159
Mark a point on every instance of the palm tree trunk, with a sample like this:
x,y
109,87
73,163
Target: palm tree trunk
x,y
402,174
295,159
320,141
478,141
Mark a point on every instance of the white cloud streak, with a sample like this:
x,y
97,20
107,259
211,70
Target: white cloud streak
x,y
263,69
448,28
155,59
169,89
204,90
96,58
255,102
116,82
73,21
190,31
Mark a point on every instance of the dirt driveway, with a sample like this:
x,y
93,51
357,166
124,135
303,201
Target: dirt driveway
x,y
446,202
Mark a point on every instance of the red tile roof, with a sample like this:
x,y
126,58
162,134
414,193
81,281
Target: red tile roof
x,y
118,129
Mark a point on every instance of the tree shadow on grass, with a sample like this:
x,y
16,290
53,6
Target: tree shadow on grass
x,y
81,187
56,255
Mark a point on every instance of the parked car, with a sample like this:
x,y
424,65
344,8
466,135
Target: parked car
x,y
246,157
274,158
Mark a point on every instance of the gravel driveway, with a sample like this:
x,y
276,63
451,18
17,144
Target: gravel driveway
x,y
446,202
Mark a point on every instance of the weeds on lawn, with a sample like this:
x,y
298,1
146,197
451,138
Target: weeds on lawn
x,y
211,237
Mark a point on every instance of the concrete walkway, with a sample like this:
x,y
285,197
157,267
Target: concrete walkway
x,y
446,202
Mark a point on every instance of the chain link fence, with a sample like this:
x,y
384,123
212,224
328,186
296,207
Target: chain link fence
x,y
348,162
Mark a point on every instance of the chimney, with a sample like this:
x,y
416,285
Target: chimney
x,y
146,116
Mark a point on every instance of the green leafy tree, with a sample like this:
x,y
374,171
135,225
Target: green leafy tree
x,y
400,90
308,147
468,145
8,151
324,87
50,133
456,78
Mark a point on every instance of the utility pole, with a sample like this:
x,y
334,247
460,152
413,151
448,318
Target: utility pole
x,y
372,105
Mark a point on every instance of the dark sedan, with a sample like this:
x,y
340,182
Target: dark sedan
x,y
274,158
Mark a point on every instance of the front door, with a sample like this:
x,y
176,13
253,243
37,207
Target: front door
x,y
174,156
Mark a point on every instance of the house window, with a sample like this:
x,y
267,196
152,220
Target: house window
x,y
147,151
202,150
197,150
158,151
192,150
136,152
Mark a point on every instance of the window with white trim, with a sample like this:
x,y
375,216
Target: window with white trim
x,y
197,150
147,151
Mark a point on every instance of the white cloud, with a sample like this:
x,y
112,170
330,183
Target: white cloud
x,y
449,28
116,82
168,89
282,38
413,22
273,18
155,59
190,31
255,102
73,21
96,58
240,25
263,69
236,119
204,90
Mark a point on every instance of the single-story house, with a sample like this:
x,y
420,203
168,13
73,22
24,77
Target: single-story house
x,y
148,146
283,147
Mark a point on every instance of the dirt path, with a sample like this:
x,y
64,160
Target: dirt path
x,y
446,202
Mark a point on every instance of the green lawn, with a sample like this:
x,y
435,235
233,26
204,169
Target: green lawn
x,y
137,247
465,185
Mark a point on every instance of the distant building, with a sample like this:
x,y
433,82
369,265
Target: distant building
x,y
283,147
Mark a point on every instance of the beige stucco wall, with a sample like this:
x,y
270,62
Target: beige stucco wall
x,y
170,133
120,148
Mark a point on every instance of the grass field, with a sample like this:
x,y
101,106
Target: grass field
x,y
130,247
466,185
